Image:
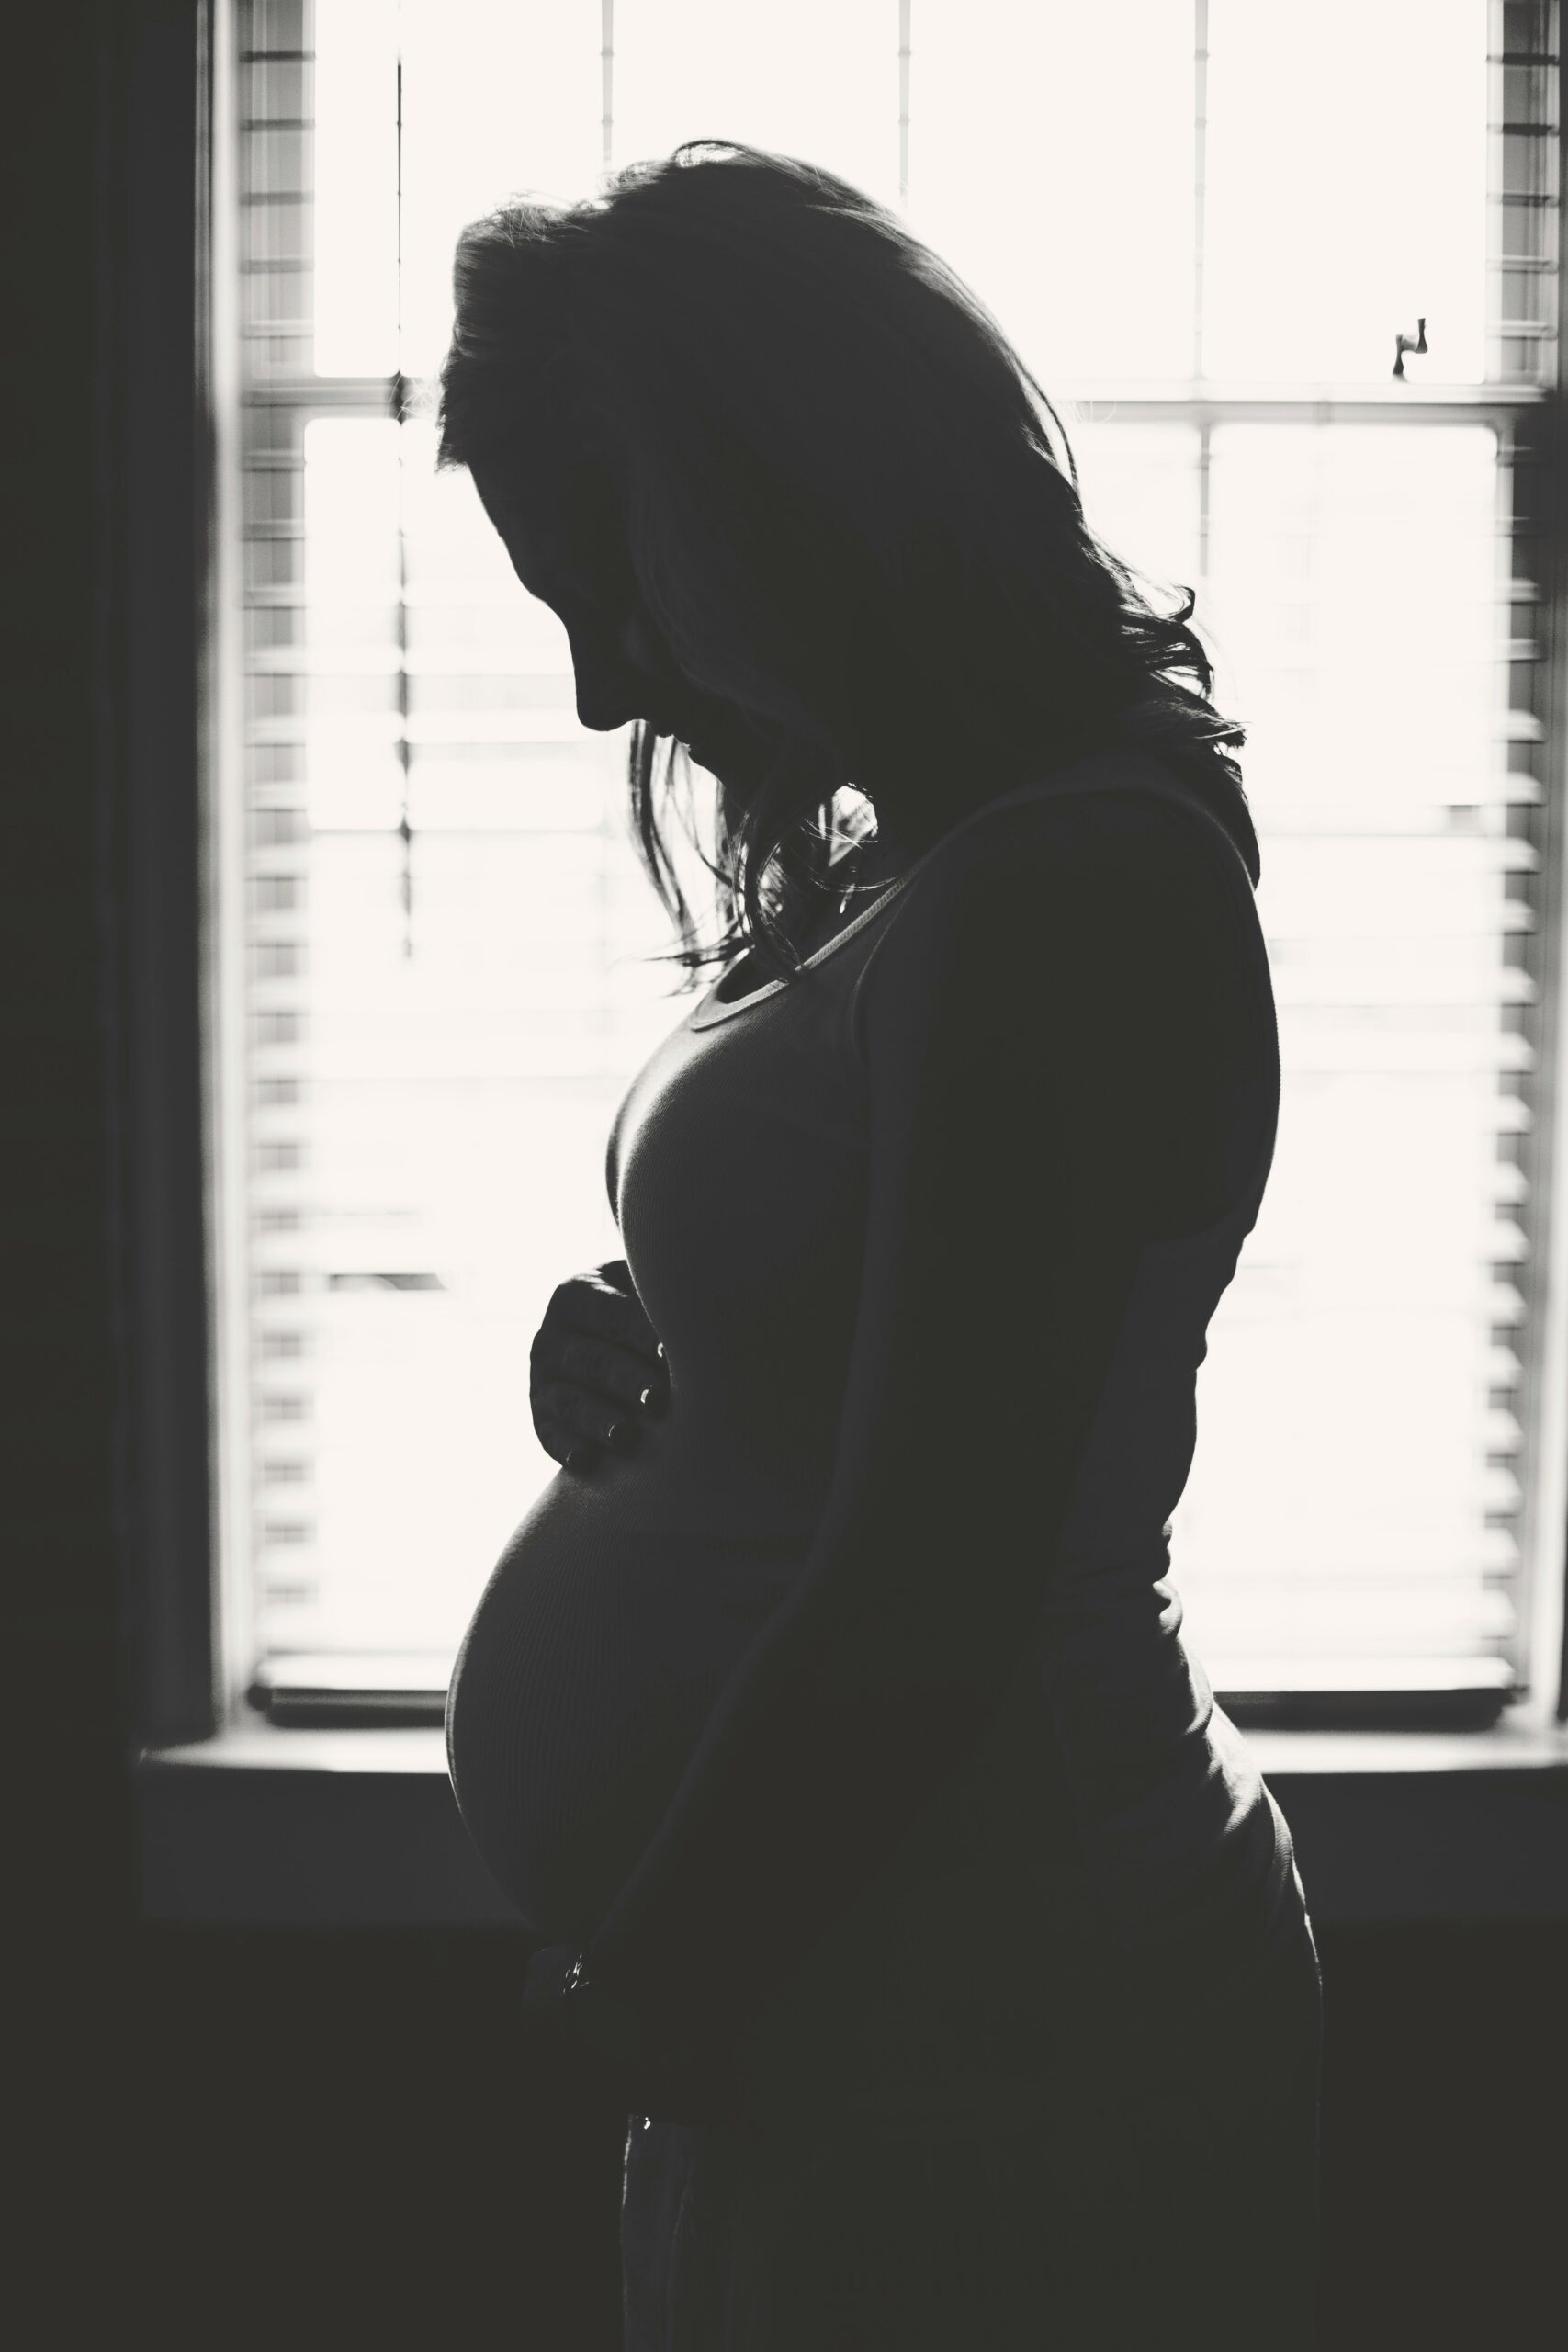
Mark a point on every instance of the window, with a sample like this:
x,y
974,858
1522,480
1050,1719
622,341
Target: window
x,y
428,997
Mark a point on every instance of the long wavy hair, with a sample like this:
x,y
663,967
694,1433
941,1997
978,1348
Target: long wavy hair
x,y
841,495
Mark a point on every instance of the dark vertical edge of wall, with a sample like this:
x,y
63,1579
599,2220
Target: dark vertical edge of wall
x,y
154,509
1559,598
1540,507
71,1439
1542,515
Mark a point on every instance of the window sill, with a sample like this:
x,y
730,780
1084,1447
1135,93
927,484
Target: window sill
x,y
264,1827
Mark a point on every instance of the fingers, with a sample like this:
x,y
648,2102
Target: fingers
x,y
585,1413
568,1446
588,1303
596,1368
562,1445
614,1375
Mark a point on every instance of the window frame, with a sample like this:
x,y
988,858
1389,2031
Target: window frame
x,y
170,721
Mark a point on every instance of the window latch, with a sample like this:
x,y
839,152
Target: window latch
x,y
1404,343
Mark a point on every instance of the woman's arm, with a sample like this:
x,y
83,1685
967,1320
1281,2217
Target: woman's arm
x,y
1055,1026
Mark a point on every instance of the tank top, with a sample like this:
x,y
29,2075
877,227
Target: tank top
x,y
1110,1828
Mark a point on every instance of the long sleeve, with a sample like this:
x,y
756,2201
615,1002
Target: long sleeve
x,y
1055,1031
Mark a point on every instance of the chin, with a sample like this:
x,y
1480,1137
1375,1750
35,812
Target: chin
x,y
716,759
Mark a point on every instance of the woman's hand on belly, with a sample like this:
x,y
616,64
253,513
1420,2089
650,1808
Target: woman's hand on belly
x,y
595,1363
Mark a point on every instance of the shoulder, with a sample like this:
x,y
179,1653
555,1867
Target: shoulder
x,y
1123,810
1091,931
1131,857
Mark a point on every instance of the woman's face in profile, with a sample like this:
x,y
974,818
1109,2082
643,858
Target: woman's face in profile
x,y
622,665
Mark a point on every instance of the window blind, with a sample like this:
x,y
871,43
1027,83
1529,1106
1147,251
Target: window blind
x,y
442,1000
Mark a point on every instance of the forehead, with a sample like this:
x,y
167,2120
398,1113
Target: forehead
x,y
557,522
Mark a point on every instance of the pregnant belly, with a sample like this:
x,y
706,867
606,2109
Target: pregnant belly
x,y
599,1646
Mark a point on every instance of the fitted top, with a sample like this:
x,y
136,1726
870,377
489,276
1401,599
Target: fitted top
x,y
870,1656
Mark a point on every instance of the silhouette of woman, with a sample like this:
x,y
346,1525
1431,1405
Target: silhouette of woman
x,y
882,1843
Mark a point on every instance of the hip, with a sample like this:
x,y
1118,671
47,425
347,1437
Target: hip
x,y
984,1967
1094,2210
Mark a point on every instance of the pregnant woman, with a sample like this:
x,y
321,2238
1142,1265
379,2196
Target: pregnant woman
x,y
832,1728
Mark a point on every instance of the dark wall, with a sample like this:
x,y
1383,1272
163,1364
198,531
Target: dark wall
x,y
316,2134
69,1864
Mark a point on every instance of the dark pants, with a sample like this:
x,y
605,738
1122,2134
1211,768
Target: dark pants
x,y
1177,2205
